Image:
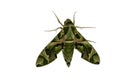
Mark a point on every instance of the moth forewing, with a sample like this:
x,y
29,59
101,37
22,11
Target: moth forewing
x,y
50,52
87,50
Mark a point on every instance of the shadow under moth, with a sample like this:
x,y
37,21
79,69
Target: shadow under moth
x,y
66,40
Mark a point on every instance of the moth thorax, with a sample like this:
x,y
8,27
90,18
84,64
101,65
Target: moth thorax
x,y
67,22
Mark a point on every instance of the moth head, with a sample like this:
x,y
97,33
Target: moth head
x,y
68,21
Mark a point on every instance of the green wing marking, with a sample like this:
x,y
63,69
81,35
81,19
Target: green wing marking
x,y
50,52
87,50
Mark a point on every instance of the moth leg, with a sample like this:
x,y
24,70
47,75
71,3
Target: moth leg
x,y
91,41
54,29
86,41
84,27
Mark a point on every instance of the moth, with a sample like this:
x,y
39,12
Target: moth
x,y
66,40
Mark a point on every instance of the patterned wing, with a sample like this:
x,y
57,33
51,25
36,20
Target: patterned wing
x,y
50,52
87,50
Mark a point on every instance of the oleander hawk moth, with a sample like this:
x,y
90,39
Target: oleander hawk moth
x,y
66,40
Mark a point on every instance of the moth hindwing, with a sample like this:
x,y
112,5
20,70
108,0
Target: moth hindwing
x,y
66,40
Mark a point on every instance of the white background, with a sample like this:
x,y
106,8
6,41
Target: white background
x,y
22,38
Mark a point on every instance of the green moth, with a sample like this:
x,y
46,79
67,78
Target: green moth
x,y
66,40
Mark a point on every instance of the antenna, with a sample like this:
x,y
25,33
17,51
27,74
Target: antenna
x,y
57,18
74,17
